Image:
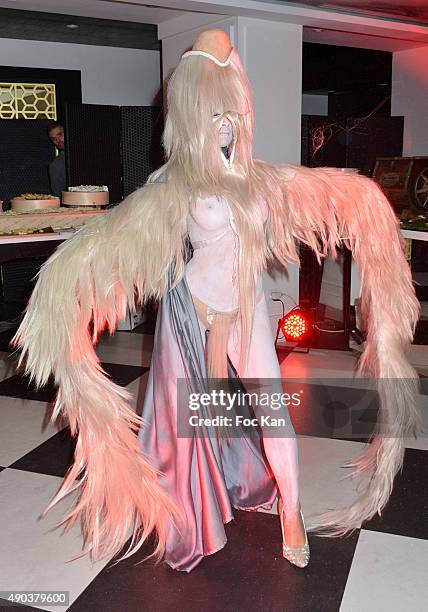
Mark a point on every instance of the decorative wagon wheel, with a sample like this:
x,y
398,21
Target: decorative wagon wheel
x,y
420,190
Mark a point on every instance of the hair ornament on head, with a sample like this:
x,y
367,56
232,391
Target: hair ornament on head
x,y
213,44
209,56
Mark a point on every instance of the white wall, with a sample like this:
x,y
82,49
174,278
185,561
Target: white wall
x,y
410,97
110,75
271,53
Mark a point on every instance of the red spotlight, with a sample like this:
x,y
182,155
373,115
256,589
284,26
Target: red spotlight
x,y
294,325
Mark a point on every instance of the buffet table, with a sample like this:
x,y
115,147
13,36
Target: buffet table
x,y
27,239
57,224
415,234
28,246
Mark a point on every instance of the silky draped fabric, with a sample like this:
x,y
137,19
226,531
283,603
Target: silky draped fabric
x,y
219,325
206,478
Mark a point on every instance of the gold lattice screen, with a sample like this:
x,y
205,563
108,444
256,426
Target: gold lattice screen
x,y
27,101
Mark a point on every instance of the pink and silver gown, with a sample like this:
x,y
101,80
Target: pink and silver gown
x,y
206,479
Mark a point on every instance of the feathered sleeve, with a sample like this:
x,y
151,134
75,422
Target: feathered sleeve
x,y
117,259
324,208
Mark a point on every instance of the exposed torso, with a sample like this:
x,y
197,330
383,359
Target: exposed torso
x,y
212,273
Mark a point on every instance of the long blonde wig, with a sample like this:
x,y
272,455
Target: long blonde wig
x,y
199,90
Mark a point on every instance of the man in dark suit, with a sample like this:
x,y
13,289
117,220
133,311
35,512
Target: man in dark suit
x,y
57,166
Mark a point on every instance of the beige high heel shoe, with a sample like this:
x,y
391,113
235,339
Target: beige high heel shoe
x,y
298,555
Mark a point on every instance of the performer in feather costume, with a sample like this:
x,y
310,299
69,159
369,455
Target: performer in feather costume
x,y
238,214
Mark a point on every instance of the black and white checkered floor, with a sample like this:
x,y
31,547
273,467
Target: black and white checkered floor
x,y
383,567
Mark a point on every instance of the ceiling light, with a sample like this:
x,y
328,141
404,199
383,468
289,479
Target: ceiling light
x,y
72,26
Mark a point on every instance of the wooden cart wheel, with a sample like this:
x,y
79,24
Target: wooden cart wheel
x,y
420,190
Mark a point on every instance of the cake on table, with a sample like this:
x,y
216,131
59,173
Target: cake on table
x,y
86,195
34,212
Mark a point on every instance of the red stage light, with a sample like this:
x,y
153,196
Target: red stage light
x,y
293,325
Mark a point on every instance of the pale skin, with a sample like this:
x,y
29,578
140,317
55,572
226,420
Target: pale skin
x,y
280,454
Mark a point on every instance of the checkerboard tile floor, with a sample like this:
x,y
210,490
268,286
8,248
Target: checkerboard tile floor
x,y
380,567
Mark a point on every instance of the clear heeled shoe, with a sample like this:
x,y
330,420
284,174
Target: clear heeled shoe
x,y
298,555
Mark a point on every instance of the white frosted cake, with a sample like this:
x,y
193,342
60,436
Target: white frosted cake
x,y
86,195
